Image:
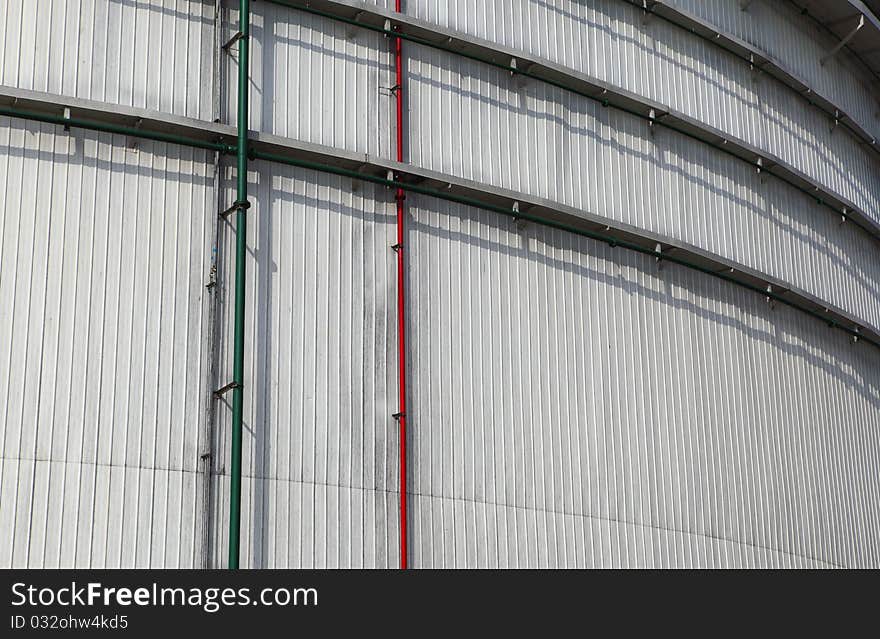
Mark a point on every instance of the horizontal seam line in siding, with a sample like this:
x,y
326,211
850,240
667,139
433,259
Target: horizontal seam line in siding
x,y
548,511
100,464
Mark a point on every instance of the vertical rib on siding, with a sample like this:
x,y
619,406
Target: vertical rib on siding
x,y
103,258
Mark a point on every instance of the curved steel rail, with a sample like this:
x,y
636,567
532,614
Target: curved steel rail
x,y
87,114
391,24
762,60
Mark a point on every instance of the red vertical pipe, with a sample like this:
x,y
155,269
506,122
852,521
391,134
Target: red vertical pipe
x,y
401,298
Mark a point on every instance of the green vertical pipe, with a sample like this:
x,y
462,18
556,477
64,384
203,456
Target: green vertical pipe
x,y
240,255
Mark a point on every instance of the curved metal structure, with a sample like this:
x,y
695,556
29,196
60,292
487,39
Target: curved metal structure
x,y
639,248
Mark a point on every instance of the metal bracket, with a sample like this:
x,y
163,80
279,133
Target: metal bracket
x,y
220,392
238,36
653,117
398,416
352,33
133,141
237,206
397,248
648,11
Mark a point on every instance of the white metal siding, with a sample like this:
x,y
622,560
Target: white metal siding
x,y
608,39
153,54
573,404
456,533
320,447
777,28
101,334
477,122
315,79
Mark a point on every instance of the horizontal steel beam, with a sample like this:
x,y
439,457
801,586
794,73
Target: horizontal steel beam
x,y
98,116
517,62
118,119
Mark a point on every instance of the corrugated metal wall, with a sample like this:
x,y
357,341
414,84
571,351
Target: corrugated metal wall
x,y
610,40
102,291
776,28
474,121
572,404
576,405
152,54
320,449
315,80
465,513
